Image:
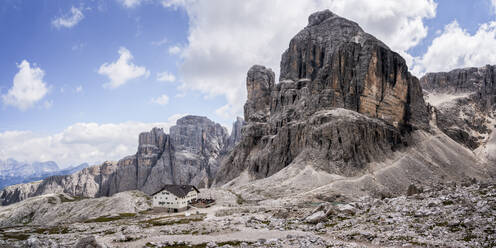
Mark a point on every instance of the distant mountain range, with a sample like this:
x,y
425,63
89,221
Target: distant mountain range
x,y
15,172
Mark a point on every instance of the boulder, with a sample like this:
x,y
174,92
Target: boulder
x,y
316,217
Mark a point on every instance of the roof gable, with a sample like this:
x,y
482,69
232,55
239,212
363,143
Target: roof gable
x,y
178,190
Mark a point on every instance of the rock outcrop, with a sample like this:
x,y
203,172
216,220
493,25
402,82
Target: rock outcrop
x,y
464,101
344,99
235,133
190,154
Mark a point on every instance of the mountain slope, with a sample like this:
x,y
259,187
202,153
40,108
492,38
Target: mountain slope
x,y
466,112
14,172
190,154
346,118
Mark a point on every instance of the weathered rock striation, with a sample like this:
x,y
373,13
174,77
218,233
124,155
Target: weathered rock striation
x,y
190,154
464,101
344,99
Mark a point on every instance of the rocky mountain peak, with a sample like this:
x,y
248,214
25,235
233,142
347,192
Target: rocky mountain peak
x,y
320,16
259,84
190,154
340,65
196,133
151,142
236,134
332,63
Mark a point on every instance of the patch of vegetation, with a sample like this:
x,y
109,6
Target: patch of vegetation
x,y
235,243
265,222
15,235
159,222
468,237
330,224
111,218
52,230
75,198
445,223
52,200
127,215
108,232
202,245
448,202
239,199
103,219
129,239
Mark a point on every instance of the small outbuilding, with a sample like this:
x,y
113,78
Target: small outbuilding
x,y
175,197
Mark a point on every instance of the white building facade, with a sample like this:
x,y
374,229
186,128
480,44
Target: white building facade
x,y
175,197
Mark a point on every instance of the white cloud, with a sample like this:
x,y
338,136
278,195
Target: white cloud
x,y
456,48
227,37
161,100
28,87
160,42
79,89
122,70
130,3
78,46
69,20
174,50
78,143
166,77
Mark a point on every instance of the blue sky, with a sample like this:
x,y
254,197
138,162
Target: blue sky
x,y
71,57
102,71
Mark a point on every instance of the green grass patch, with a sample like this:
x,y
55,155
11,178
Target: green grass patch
x,y
111,218
127,215
74,198
103,219
52,230
160,222
16,235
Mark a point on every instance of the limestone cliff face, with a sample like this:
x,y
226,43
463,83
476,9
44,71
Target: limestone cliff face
x,y
464,101
190,154
332,63
235,133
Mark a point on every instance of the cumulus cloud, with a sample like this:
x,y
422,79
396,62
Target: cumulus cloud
x,y
130,3
227,37
69,20
174,50
166,77
122,70
161,100
78,143
457,48
28,87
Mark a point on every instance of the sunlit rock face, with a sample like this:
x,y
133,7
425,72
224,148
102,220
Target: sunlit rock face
x,y
343,99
